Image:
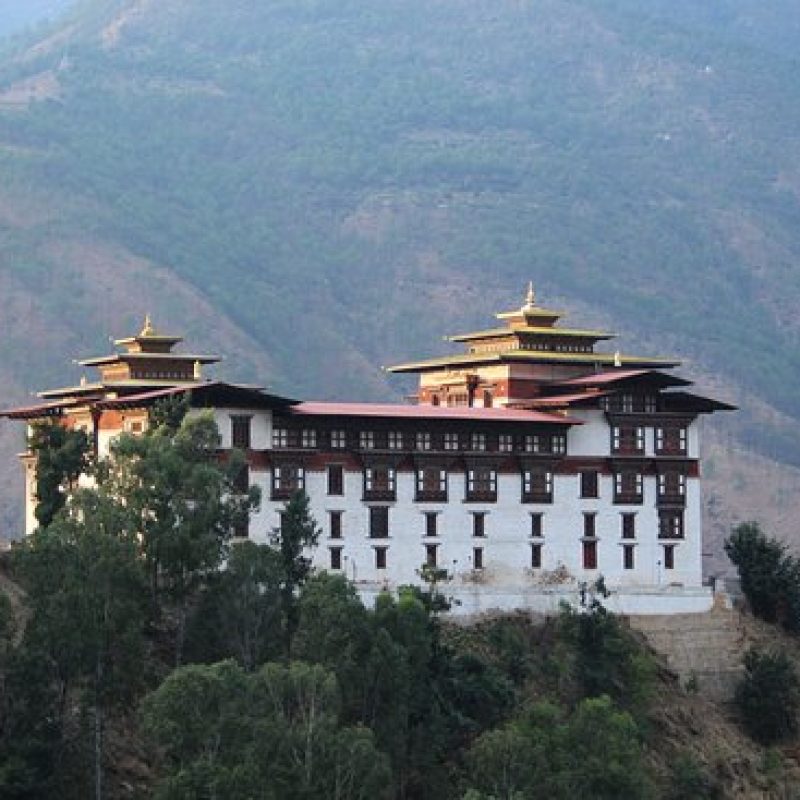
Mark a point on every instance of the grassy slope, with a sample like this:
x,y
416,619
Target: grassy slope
x,y
321,172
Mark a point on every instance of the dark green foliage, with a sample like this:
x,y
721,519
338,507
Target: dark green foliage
x,y
239,612
691,781
62,455
768,698
297,533
86,593
596,752
607,659
183,504
273,734
770,577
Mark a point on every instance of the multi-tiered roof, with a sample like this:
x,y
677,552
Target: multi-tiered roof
x,y
532,335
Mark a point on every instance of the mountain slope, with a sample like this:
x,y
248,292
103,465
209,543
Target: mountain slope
x,y
343,182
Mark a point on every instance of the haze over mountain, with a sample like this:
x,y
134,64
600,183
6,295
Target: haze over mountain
x,y
318,187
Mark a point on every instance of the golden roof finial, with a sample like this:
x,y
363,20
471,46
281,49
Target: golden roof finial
x,y
530,298
148,329
617,359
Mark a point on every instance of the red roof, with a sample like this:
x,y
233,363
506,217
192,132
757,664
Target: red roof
x,y
397,411
34,412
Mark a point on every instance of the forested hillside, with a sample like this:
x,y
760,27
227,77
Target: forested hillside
x,y
319,187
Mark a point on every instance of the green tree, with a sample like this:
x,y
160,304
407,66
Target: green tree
x,y
184,503
239,613
768,697
607,658
272,734
293,538
770,577
85,589
62,456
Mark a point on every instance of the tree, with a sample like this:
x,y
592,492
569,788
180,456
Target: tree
x,y
62,456
607,659
272,734
297,533
239,613
770,577
184,502
768,697
86,589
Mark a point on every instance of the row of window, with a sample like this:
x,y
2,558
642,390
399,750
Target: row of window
x,y
433,559
670,524
625,439
477,441
629,440
431,484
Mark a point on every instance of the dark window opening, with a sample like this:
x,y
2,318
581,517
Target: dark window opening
x,y
590,555
336,524
536,556
627,556
589,484
335,479
379,522
336,557
477,558
240,432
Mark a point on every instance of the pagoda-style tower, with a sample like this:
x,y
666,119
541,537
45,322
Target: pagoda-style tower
x,y
146,361
511,364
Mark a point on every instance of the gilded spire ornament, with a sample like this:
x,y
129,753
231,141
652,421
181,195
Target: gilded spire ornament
x,y
530,298
148,329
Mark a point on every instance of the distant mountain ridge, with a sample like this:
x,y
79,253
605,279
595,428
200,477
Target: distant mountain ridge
x,y
319,187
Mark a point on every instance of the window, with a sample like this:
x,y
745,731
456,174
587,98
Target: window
x,y
671,441
241,526
366,440
479,524
532,444
487,399
537,525
336,557
395,440
628,526
628,487
627,556
423,440
669,556
590,484
308,438
505,443
627,439
335,518
379,522
338,440
451,441
431,523
380,557
477,442
240,431
558,444
335,479
650,403
430,554
590,554
537,486
536,556
286,480
241,482
431,484
379,483
670,525
482,484
590,525
280,437
671,487
477,558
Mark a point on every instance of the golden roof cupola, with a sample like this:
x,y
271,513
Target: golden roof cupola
x,y
146,360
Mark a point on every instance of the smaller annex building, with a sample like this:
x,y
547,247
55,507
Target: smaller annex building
x,y
526,467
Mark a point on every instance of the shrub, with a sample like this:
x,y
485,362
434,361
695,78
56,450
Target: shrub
x,y
768,697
